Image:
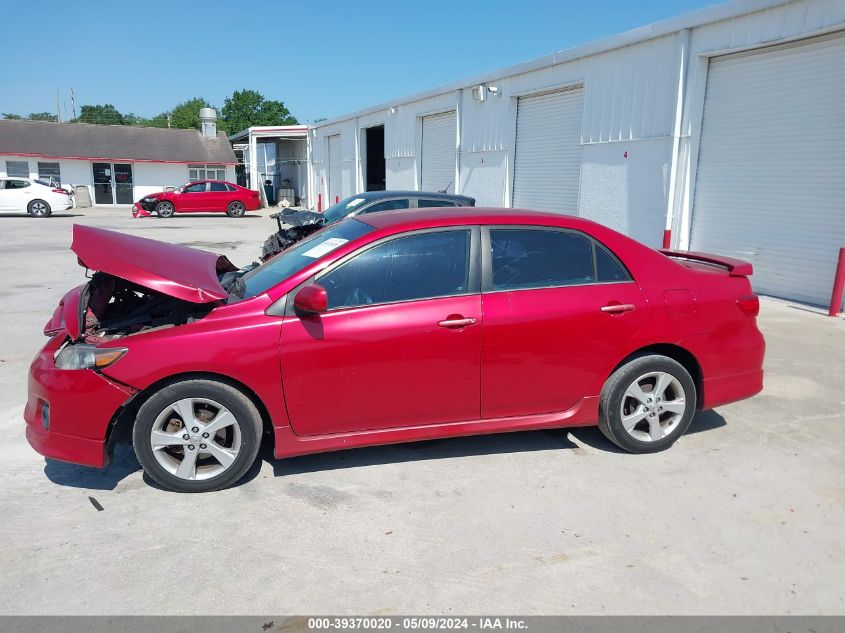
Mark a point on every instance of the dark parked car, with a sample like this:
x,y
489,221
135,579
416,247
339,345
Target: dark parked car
x,y
294,225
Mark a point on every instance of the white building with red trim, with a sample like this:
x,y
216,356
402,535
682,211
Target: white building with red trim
x,y
113,164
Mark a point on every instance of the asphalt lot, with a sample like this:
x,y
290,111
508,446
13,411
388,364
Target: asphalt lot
x,y
744,515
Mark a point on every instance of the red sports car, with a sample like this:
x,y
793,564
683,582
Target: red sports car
x,y
390,327
199,197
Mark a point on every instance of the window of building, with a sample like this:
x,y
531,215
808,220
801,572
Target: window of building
x,y
419,266
51,172
206,172
18,168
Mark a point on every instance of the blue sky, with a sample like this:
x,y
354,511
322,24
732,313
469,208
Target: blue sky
x,y
321,58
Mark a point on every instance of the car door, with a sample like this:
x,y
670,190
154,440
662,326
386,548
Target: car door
x,y
17,194
400,343
193,198
559,311
218,197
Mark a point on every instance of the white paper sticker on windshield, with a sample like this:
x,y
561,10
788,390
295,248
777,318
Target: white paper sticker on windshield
x,y
355,202
324,247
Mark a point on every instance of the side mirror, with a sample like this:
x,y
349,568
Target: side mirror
x,y
312,299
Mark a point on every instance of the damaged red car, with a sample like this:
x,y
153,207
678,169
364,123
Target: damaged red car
x,y
203,196
391,327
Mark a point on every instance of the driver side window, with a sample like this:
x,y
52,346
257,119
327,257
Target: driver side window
x,y
421,266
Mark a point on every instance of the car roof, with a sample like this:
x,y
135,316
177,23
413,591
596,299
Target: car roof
x,y
410,219
393,193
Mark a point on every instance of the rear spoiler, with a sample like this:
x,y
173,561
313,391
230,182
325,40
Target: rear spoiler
x,y
736,267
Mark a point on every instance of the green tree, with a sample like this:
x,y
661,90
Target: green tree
x,y
42,116
103,114
12,117
246,108
187,114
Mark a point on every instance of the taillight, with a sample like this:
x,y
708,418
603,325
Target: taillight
x,y
749,304
60,191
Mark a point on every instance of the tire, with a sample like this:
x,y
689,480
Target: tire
x,y
637,421
38,208
236,209
165,209
159,422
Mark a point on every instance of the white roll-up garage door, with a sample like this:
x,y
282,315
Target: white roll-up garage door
x,y
439,132
547,157
770,187
335,184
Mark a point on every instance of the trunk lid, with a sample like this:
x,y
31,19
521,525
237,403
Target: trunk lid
x,y
184,273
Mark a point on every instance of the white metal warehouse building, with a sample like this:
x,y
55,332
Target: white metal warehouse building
x,y
725,126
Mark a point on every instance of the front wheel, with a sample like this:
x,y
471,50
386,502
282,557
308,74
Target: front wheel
x,y
236,209
647,404
197,435
38,209
165,209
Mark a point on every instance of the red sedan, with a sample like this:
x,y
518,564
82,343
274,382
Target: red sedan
x,y
199,197
390,327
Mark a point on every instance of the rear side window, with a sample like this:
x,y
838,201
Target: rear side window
x,y
422,203
230,188
388,205
607,266
17,184
419,266
218,186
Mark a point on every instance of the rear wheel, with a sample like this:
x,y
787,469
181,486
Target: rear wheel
x,y
38,209
647,404
165,209
197,435
236,209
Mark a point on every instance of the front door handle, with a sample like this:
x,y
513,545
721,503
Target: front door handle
x,y
617,308
457,321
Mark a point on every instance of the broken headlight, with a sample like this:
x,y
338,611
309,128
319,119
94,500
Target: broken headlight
x,y
84,356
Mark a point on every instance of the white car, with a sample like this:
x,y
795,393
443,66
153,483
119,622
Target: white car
x,y
37,197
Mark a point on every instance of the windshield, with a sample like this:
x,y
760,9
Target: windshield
x,y
342,209
297,257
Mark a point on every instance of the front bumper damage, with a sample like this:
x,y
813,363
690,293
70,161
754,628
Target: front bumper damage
x,y
68,412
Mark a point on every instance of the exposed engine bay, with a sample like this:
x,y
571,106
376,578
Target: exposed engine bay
x,y
113,307
293,226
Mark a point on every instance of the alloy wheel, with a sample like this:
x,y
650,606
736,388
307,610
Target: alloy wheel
x,y
195,439
39,208
653,406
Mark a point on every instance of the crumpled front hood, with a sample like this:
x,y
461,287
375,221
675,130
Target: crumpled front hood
x,y
302,217
177,271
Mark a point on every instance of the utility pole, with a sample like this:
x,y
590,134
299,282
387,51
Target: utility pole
x,y
73,101
168,119
58,108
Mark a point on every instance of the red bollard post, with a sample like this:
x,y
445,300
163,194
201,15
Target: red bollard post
x,y
838,286
319,203
667,238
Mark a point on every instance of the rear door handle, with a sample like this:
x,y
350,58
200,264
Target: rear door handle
x,y
616,308
457,322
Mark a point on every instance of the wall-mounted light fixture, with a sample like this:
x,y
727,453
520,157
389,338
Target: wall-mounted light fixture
x,y
391,110
479,92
